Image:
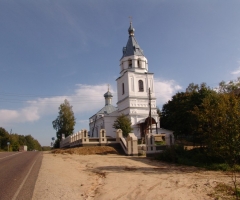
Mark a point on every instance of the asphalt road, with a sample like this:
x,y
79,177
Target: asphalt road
x,y
18,174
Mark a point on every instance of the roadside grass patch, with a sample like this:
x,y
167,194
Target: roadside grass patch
x,y
223,191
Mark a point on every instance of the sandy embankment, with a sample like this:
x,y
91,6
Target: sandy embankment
x,y
119,177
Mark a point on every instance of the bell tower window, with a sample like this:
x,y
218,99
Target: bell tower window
x,y
122,88
140,86
129,63
139,63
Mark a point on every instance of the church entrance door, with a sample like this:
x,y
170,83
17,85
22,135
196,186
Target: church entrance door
x,y
145,127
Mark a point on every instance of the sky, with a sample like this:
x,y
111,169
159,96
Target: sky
x,y
51,50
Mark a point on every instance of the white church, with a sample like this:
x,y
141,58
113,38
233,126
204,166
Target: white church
x,y
136,95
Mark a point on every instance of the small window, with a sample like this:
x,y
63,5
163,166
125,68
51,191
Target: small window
x,y
122,88
139,63
129,63
140,86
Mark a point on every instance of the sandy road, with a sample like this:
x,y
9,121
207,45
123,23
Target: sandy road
x,y
120,177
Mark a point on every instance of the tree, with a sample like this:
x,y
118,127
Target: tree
x,y
32,144
219,122
124,123
231,86
65,122
14,142
176,114
17,140
4,138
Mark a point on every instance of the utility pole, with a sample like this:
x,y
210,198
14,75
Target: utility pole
x,y
150,110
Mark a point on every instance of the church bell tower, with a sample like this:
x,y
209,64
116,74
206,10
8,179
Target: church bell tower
x,y
133,86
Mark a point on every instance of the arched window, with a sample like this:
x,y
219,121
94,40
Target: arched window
x,y
140,86
139,63
122,88
129,63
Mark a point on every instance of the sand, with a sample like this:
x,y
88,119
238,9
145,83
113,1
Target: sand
x,y
112,176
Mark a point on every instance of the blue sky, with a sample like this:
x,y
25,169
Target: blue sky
x,y
56,50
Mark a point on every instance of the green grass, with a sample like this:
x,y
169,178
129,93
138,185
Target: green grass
x,y
160,143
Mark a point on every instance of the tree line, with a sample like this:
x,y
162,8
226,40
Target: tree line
x,y
15,141
207,117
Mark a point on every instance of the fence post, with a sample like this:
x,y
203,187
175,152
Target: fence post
x,y
85,138
151,148
129,145
102,137
119,135
134,141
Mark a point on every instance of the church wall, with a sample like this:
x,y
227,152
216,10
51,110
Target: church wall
x,y
137,104
110,131
147,82
98,126
136,131
103,122
131,86
122,105
120,81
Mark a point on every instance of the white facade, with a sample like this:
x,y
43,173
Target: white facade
x,y
102,121
133,87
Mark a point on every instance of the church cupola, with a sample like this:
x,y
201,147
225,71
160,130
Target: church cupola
x,y
108,98
133,58
131,30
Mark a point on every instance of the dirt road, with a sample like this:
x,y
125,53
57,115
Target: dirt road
x,y
120,177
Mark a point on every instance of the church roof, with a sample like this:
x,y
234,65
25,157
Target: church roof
x,y
132,47
107,109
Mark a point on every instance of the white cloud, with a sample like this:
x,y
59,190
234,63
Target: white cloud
x,y
237,71
86,98
26,114
8,115
164,90
89,97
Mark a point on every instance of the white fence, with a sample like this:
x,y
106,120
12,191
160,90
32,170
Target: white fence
x,y
155,143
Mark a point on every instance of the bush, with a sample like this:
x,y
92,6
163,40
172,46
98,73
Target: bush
x,y
195,157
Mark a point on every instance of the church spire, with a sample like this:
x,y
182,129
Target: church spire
x,y
132,48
